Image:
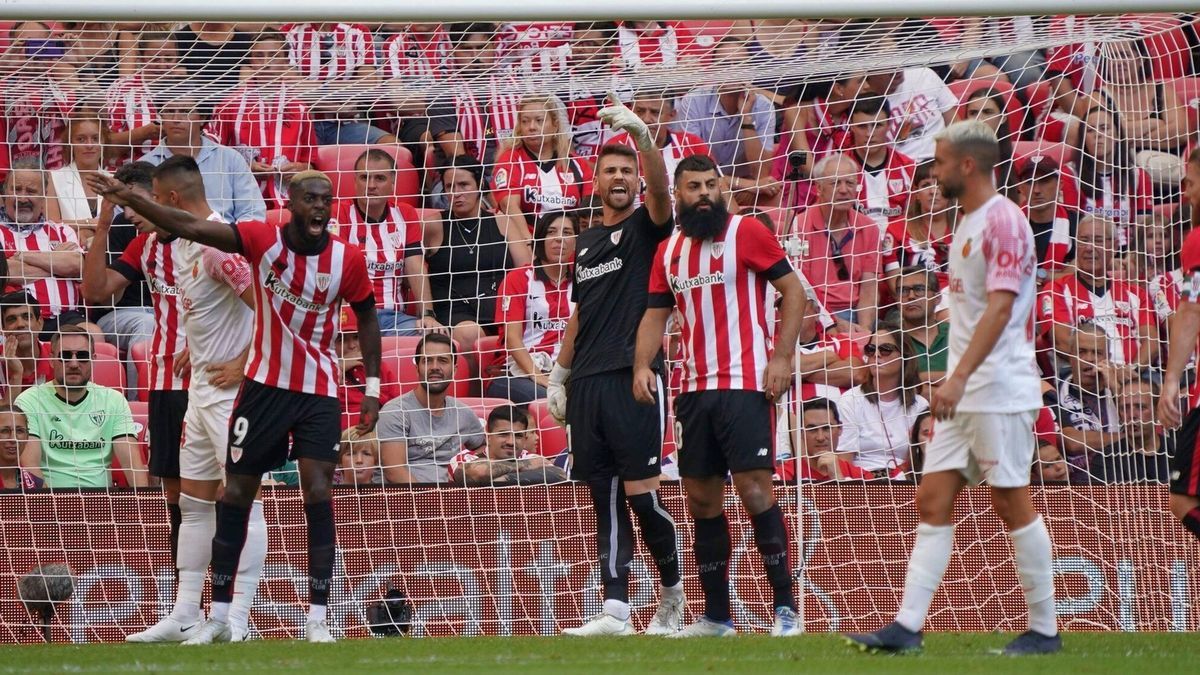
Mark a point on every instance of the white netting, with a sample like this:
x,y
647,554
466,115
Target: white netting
x,y
1095,115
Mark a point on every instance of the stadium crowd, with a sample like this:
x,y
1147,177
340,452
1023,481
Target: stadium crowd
x,y
467,199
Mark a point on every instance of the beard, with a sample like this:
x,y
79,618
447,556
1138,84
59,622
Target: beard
x,y
950,191
438,387
703,225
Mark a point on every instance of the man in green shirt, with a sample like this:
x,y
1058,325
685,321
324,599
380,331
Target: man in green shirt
x,y
928,336
76,426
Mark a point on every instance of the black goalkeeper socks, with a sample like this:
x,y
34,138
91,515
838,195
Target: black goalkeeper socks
x,y
713,548
658,531
227,549
614,536
770,536
322,540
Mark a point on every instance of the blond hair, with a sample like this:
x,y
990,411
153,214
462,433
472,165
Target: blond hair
x,y
561,139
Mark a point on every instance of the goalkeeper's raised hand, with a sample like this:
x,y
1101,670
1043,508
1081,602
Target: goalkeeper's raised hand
x,y
620,118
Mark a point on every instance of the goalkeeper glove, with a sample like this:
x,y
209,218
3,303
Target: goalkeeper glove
x,y
556,393
621,118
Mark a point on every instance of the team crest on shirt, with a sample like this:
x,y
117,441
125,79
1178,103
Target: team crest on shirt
x,y
1047,305
966,250
615,237
397,240
718,249
582,253
323,282
196,270
500,178
97,418
896,185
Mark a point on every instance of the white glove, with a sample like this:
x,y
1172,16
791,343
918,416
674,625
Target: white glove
x,y
621,118
556,393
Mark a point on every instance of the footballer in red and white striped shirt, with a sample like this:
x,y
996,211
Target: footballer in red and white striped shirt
x,y
715,270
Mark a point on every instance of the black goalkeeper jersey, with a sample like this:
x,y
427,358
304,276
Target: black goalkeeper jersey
x,y
612,277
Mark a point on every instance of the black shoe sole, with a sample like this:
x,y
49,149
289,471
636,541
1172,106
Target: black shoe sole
x,y
872,649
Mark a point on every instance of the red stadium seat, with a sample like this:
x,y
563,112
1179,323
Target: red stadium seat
x,y
552,438
392,343
338,162
139,353
1188,89
109,372
492,356
405,367
482,406
278,217
107,349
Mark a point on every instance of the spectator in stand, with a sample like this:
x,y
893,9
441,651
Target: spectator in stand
x,y
535,305
358,460
594,62
649,44
419,51
1085,401
353,382
927,334
421,432
505,461
26,357
265,121
93,50
1151,111
922,432
536,171
389,234
129,112
529,48
921,106
922,238
739,127
887,174
835,247
828,363
468,251
658,112
815,123
1111,185
75,425
229,184
43,257
987,106
591,213
212,54
340,57
1142,453
14,434
1053,223
821,434
1092,295
35,112
879,415
71,201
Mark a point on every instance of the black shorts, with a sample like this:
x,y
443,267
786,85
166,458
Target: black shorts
x,y
724,431
164,428
610,433
265,419
1185,469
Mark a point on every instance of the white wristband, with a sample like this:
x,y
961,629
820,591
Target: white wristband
x,y
372,388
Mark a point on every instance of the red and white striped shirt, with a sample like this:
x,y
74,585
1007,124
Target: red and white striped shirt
x,y
1121,310
541,190
34,124
385,245
680,144
543,309
128,105
157,262
1060,239
656,45
535,47
883,195
336,53
54,294
423,55
901,250
492,119
269,127
296,307
720,288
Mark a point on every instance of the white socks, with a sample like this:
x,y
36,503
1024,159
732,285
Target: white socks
x,y
196,530
617,609
250,565
316,613
926,567
1032,555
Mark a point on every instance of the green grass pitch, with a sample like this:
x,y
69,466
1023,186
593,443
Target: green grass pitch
x,y
957,654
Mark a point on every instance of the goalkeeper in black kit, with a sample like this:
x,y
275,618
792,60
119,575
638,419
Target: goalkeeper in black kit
x,y
616,442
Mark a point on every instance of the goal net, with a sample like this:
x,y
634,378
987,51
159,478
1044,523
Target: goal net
x,y
462,159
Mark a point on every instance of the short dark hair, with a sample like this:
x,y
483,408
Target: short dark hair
x,y
137,174
269,34
184,172
699,163
375,155
436,339
870,105
19,299
459,31
64,331
507,413
618,150
463,163
542,227
178,97
931,277
820,404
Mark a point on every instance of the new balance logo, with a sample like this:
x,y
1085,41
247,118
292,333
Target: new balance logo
x,y
652,462
763,452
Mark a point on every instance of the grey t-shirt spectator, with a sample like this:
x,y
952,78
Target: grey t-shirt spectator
x,y
432,440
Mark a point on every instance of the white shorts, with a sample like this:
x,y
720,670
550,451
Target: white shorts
x,y
996,448
205,441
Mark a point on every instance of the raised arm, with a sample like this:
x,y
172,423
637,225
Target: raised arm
x,y
101,284
654,170
178,222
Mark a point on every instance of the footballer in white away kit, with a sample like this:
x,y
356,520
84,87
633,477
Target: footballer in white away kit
x,y
217,301
986,408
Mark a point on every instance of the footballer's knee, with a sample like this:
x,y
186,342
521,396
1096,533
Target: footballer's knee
x,y
755,490
1013,506
315,479
1181,504
705,496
